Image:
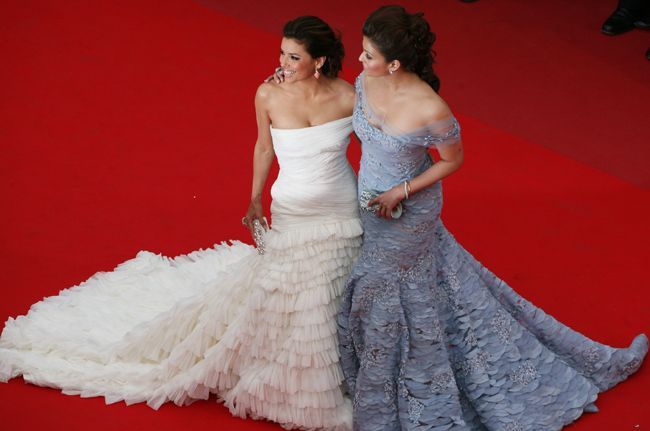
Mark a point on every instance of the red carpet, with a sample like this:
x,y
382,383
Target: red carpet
x,y
130,125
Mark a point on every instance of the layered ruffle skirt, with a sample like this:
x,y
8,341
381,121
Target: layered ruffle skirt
x,y
259,331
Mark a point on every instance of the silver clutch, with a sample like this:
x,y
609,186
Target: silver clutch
x,y
368,195
259,232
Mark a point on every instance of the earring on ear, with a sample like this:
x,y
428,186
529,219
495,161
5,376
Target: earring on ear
x,y
317,73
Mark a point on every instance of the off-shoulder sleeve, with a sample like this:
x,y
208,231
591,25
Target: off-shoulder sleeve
x,y
439,133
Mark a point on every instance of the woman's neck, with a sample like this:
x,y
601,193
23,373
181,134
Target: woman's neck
x,y
399,80
310,87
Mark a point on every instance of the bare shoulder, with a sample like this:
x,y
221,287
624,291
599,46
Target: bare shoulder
x,y
265,91
431,107
343,86
344,91
268,94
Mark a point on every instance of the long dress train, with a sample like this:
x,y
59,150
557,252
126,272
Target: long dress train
x,y
432,340
257,330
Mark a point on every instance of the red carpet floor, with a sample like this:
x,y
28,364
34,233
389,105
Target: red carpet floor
x,y
129,125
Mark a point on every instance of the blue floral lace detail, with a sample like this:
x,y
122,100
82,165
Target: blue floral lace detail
x,y
432,340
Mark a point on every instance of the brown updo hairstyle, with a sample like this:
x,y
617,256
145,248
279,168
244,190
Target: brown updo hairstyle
x,y
406,37
319,40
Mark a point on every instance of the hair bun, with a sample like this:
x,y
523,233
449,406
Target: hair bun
x,y
406,37
319,40
421,34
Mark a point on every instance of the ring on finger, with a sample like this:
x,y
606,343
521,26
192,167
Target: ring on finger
x,y
244,221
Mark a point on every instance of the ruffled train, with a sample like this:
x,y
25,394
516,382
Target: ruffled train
x,y
441,343
517,366
259,331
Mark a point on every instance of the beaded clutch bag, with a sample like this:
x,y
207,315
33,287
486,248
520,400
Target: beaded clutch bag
x,y
368,195
258,235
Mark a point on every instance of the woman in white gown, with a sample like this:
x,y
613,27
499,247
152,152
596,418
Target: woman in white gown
x,y
258,330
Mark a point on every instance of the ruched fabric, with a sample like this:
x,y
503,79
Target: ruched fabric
x,y
432,340
259,331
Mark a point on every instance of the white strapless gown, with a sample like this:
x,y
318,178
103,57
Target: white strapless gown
x,y
258,330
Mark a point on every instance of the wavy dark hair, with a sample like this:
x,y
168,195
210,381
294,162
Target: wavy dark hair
x,y
319,40
406,37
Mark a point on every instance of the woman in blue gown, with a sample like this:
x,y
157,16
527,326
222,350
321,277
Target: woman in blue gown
x,y
429,338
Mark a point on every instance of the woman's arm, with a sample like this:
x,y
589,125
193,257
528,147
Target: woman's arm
x,y
262,157
451,158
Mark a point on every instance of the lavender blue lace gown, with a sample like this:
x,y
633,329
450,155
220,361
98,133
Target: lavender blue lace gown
x,y
432,340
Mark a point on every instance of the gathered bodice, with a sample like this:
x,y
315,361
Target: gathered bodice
x,y
315,153
316,180
391,156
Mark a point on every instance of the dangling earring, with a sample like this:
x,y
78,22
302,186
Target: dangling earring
x,y
317,74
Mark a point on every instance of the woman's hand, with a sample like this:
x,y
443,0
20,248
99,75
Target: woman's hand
x,y
254,212
278,76
387,201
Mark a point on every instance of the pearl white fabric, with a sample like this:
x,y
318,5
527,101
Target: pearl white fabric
x,y
258,330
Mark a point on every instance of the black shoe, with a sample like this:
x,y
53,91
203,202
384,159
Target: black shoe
x,y
643,23
621,21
